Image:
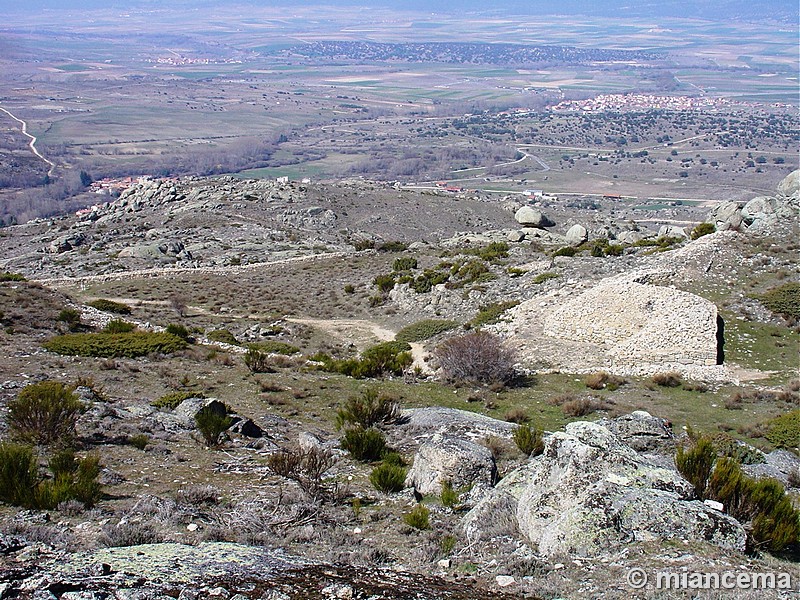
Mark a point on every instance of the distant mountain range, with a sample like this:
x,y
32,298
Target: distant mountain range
x,y
717,10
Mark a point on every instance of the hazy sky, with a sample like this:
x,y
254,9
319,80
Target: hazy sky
x,y
711,9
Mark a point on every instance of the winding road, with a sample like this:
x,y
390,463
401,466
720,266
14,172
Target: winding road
x,y
32,142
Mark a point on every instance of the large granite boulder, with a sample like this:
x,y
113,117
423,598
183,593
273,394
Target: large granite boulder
x,y
531,217
576,235
589,494
642,431
461,462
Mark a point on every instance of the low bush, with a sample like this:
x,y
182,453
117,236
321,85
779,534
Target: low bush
x,y
388,478
223,336
424,330
385,283
783,300
9,276
18,475
386,358
275,347
565,251
115,345
257,361
139,440
603,381
212,424
582,406
529,440
542,277
491,313
449,496
404,263
476,357
117,308
695,464
71,317
366,445
393,246
671,379
178,330
173,399
118,326
491,253
517,415
44,413
702,229
349,288
784,431
418,518
306,467
368,410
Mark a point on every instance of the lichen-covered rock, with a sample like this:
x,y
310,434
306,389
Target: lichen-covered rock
x,y
725,215
672,231
589,494
642,431
461,462
427,422
789,187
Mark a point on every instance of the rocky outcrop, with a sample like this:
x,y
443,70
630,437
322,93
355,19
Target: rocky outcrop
x,y
531,217
427,422
589,494
462,463
762,212
640,323
642,431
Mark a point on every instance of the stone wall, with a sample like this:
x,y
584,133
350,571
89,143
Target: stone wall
x,y
639,323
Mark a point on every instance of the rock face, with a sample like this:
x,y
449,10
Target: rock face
x,y
762,212
636,322
589,494
461,462
531,217
422,422
642,431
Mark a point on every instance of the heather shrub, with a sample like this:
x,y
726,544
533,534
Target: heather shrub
x,y
18,474
257,361
528,439
71,317
366,445
118,345
517,415
384,358
222,335
212,424
139,440
702,229
367,410
449,496
670,379
783,300
491,313
423,330
603,381
178,330
404,263
784,431
118,326
388,478
476,357
44,413
695,464
418,518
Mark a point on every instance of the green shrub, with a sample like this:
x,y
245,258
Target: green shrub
x,y
472,271
491,253
404,263
418,518
783,300
542,277
110,306
173,399
423,330
178,330
257,361
223,336
784,431
44,413
9,276
385,283
430,277
275,347
115,345
744,454
491,313
19,475
366,445
349,288
393,458
118,326
702,229
603,381
515,272
387,357
696,463
71,317
212,424
393,246
449,496
528,439
388,478
139,440
367,410
565,251
447,544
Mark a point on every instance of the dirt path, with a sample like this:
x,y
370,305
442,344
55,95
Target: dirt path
x,y
32,143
